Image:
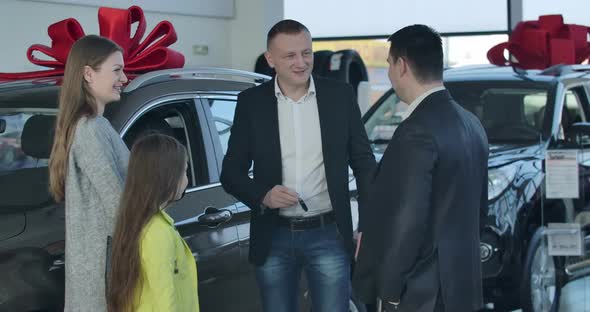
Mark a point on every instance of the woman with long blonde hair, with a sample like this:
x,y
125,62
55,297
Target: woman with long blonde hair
x,y
87,166
152,268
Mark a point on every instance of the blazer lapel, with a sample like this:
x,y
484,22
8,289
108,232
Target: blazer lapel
x,y
271,124
325,122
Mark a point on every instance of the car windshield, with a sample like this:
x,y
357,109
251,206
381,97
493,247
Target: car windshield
x,y
509,112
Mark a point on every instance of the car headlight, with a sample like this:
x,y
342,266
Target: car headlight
x,y
499,179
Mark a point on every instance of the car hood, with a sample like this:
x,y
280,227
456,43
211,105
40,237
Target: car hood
x,y
502,154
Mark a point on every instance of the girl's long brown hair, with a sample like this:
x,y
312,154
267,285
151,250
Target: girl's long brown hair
x,y
156,165
75,101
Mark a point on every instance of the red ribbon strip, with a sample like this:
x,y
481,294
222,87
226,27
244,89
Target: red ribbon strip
x,y
151,54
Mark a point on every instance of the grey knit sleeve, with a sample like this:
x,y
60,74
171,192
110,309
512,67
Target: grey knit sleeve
x,y
102,156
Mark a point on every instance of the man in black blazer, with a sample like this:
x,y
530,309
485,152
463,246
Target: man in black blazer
x,y
420,246
300,134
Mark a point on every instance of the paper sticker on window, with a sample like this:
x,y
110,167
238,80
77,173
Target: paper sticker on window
x,y
561,168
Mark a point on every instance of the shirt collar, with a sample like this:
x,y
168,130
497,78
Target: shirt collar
x,y
310,91
166,217
406,114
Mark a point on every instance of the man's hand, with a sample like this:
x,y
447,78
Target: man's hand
x,y
280,197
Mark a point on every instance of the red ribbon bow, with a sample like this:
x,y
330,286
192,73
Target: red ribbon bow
x,y
543,43
151,54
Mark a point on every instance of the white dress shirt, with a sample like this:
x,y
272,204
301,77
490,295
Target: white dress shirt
x,y
301,152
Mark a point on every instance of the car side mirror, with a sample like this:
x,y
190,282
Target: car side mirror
x,y
2,126
579,134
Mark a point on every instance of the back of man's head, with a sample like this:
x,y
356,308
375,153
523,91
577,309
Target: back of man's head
x,y
421,47
287,26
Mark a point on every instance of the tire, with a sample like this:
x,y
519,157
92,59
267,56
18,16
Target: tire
x,y
543,277
321,62
351,68
262,66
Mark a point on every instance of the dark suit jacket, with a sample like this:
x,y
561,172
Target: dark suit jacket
x,y
425,203
255,139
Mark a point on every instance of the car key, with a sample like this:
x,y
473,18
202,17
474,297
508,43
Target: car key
x,y
303,205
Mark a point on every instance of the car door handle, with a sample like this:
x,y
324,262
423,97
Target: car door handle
x,y
213,217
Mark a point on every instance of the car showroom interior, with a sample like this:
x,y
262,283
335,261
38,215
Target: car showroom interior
x,y
295,155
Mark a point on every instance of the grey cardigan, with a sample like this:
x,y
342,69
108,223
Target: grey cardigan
x,y
97,167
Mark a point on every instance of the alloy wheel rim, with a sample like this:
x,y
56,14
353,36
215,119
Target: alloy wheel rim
x,y
543,280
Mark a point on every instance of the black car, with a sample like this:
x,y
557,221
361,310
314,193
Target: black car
x,y
196,107
524,113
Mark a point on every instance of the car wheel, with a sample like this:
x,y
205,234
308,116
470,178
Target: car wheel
x,y
543,277
351,70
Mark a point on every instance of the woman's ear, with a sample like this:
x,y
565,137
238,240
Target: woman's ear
x,y
88,74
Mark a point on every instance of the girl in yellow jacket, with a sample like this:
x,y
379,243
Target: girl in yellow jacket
x,y
152,268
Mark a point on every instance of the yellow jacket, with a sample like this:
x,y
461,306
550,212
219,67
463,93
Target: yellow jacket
x,y
168,279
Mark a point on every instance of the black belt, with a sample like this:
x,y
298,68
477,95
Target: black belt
x,y
306,223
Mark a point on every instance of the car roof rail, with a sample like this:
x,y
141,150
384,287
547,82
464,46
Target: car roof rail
x,y
44,81
195,73
473,67
562,69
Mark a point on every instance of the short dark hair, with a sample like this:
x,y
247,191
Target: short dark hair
x,y
287,26
421,46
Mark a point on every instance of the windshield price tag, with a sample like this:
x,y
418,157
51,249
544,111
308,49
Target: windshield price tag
x,y
561,169
564,239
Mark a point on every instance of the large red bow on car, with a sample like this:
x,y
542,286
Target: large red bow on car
x,y
543,43
151,54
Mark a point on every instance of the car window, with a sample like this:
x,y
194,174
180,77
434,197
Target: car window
x,y
573,107
223,111
386,118
534,109
510,112
572,111
169,120
12,156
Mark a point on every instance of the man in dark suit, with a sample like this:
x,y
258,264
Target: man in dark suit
x,y
420,246
300,133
